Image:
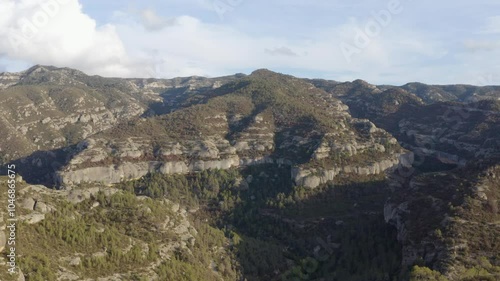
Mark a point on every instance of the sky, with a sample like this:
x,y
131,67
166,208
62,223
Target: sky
x,y
380,41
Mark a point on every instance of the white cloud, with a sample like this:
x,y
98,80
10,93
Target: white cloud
x,y
144,43
192,47
58,32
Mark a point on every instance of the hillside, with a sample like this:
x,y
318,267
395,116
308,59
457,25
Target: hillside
x,y
445,207
264,118
46,108
250,177
449,221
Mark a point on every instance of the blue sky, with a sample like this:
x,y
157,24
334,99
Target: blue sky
x,y
383,42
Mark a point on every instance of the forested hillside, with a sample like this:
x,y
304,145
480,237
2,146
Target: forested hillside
x,y
249,177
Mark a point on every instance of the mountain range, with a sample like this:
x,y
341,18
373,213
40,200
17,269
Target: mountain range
x,y
260,162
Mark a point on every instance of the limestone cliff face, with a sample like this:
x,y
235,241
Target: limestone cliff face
x,y
128,171
266,118
91,164
316,176
47,108
132,170
414,250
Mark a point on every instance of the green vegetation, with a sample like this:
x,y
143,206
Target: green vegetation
x,y
118,234
244,97
74,229
425,274
253,224
249,223
275,230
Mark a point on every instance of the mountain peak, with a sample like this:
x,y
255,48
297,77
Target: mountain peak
x,y
39,68
261,71
362,83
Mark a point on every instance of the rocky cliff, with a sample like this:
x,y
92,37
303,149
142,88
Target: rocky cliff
x,y
439,146
445,200
46,108
263,118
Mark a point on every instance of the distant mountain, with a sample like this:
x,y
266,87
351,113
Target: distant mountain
x,y
45,108
446,206
263,118
460,93
427,93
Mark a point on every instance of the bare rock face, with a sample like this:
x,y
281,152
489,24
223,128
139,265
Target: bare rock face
x,y
49,107
9,79
314,177
301,176
109,174
394,214
28,203
219,138
43,208
32,218
21,276
267,119
128,171
174,168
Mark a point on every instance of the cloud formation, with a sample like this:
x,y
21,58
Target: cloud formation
x,y
167,42
58,32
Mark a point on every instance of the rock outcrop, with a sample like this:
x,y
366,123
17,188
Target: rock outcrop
x,y
316,176
318,139
47,108
438,145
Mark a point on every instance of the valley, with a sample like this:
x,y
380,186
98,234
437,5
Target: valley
x,y
250,177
